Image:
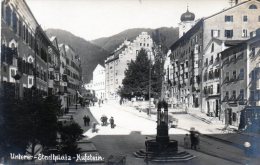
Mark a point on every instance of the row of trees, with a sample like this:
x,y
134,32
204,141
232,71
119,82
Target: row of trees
x,y
31,123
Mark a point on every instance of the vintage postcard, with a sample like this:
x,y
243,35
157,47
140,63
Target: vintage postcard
x,y
130,82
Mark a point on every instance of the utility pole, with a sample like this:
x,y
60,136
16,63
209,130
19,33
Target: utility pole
x,y
149,110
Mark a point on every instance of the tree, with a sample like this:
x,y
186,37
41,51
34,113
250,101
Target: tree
x,y
70,133
27,123
136,79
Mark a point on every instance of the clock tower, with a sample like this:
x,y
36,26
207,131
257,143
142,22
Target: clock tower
x,y
187,22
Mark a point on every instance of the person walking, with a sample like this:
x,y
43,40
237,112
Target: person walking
x,y
186,141
192,138
85,120
197,141
112,122
88,120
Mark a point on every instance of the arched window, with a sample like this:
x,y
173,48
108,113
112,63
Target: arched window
x,y
8,15
253,7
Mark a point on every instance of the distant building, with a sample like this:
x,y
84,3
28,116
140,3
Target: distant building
x,y
240,81
116,63
72,74
89,86
98,84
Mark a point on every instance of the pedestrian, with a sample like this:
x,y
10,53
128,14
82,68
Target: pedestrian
x,y
197,141
85,120
186,141
192,139
71,118
99,103
94,125
112,122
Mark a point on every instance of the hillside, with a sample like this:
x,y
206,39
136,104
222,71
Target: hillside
x,y
112,42
89,53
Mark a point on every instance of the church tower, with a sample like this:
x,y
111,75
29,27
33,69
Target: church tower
x,y
187,22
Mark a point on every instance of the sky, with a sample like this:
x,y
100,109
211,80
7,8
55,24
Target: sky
x,y
92,19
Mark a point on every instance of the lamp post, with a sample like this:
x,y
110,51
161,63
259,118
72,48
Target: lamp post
x,y
149,110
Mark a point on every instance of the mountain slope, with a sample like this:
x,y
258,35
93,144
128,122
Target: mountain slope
x,y
112,42
96,51
90,54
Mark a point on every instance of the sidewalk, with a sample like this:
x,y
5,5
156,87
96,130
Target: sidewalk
x,y
86,146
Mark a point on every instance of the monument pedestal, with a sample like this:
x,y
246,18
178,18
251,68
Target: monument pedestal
x,y
162,148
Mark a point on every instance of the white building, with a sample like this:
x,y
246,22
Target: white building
x,y
117,62
98,83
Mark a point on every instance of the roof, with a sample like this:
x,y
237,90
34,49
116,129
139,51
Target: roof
x,y
229,8
116,54
189,33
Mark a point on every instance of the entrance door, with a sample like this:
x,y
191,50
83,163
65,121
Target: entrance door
x,y
229,116
208,107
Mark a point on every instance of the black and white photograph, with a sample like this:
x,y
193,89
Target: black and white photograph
x,y
130,82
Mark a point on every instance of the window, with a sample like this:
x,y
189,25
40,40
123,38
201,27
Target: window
x,y
229,33
147,45
245,19
234,94
8,15
218,88
140,44
244,33
253,51
215,33
187,63
186,75
229,18
252,6
241,95
30,81
212,47
227,76
14,22
211,60
241,74
12,72
234,75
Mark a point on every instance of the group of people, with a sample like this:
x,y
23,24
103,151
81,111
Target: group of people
x,y
192,141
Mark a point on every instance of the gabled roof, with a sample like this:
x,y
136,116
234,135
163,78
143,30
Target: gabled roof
x,y
216,40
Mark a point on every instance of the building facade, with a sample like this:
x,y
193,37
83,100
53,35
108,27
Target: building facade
x,y
24,52
235,23
240,81
211,77
186,58
117,62
98,83
72,75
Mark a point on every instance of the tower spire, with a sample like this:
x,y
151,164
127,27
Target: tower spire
x,y
187,7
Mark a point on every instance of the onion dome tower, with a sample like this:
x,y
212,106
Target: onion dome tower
x,y
187,22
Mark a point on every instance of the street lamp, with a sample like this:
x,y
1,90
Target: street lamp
x,y
149,110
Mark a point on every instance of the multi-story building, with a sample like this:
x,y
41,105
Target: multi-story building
x,y
98,83
63,78
116,63
234,23
72,75
211,77
240,81
24,52
186,58
54,67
